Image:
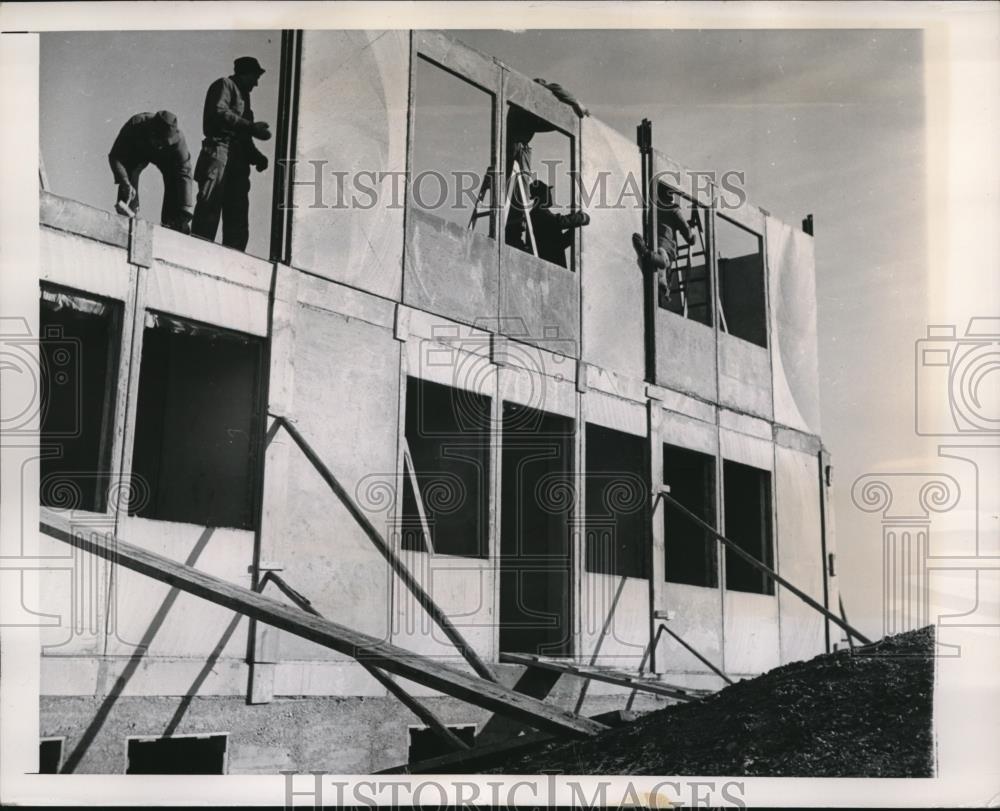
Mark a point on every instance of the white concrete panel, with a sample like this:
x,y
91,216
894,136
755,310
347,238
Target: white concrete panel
x,y
173,623
799,552
745,424
352,118
615,413
451,365
751,633
627,635
324,679
794,353
687,433
541,392
338,298
682,404
84,264
746,450
612,297
346,406
463,588
744,376
613,383
697,619
180,292
211,259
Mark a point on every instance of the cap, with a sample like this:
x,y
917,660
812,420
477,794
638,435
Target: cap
x,y
165,123
247,64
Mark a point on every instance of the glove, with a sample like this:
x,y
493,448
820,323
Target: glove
x,y
261,131
261,163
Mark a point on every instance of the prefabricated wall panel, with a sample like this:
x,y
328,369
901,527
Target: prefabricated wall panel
x,y
353,101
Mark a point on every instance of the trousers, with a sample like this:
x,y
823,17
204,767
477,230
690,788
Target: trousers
x,y
223,178
176,209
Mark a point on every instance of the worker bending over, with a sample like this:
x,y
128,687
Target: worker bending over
x,y
154,138
669,223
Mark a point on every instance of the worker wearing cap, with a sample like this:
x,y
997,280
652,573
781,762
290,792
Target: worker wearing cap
x,y
227,153
553,232
669,223
154,138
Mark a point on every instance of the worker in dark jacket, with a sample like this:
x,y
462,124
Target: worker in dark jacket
x,y
553,232
227,153
154,138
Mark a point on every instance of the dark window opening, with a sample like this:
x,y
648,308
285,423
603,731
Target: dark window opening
x,y
448,437
50,756
681,256
188,755
748,524
452,149
617,492
537,496
539,197
81,338
426,743
197,423
742,290
690,550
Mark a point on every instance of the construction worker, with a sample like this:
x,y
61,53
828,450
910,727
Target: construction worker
x,y
553,232
227,153
154,138
522,125
669,223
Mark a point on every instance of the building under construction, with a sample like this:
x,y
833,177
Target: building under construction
x,y
404,489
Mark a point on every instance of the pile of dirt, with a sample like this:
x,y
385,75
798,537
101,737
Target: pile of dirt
x,y
861,714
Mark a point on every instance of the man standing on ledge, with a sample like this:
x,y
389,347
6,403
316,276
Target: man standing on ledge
x,y
227,153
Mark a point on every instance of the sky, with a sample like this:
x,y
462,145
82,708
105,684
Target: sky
x,y
827,122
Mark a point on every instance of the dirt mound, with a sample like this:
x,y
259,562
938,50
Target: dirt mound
x,y
866,714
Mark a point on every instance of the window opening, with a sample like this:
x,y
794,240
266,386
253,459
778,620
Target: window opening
x,y
452,173
748,524
203,754
447,454
539,198
80,345
690,551
536,495
616,492
742,291
197,423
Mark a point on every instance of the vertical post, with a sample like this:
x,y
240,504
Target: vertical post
x,y
644,139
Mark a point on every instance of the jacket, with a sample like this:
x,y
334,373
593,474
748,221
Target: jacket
x,y
134,149
227,120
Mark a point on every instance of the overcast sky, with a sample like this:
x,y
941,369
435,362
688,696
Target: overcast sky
x,y
823,122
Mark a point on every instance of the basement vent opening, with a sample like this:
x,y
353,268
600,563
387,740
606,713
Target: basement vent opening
x,y
690,551
616,496
448,441
50,755
197,423
425,743
80,341
201,754
748,523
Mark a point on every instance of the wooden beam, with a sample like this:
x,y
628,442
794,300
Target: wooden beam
x,y
605,675
366,649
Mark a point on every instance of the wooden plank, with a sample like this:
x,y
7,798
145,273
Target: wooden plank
x,y
366,649
605,675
